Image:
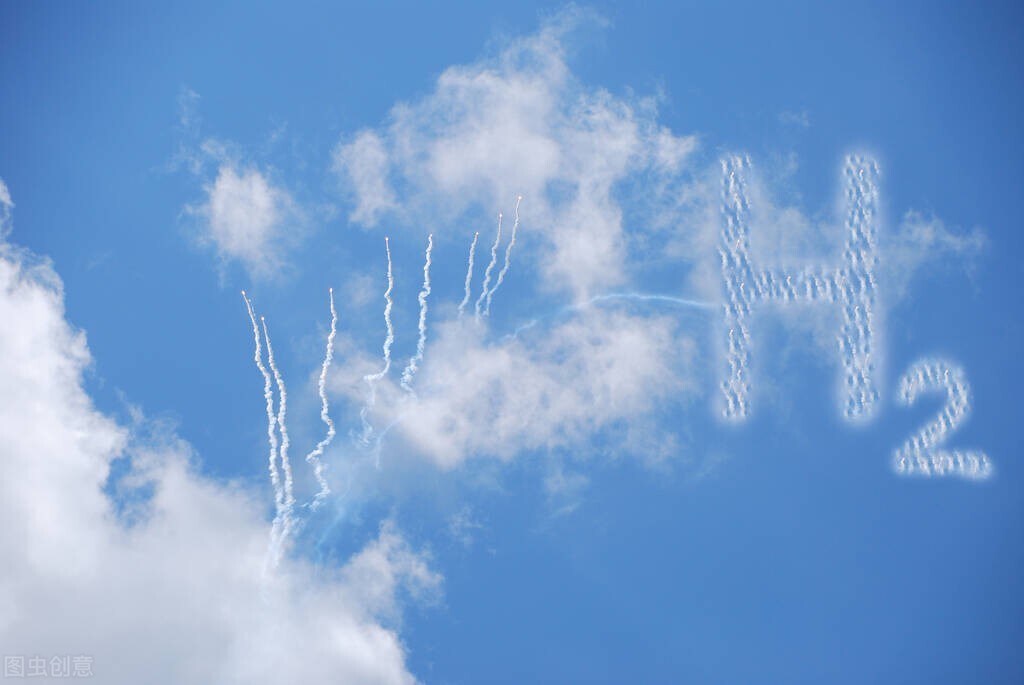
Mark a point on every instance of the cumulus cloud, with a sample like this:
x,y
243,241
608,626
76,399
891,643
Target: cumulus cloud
x,y
520,123
247,218
558,389
156,572
247,215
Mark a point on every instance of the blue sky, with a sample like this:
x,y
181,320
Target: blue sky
x,y
557,499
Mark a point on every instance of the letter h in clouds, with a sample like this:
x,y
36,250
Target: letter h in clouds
x,y
850,285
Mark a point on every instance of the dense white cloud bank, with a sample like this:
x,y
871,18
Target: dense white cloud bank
x,y
173,587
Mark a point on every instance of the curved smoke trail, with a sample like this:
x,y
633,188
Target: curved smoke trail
x,y
410,370
469,274
286,522
490,268
268,394
373,378
318,451
508,260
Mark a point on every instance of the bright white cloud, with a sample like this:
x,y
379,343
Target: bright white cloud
x,y
247,215
519,123
247,218
177,592
560,388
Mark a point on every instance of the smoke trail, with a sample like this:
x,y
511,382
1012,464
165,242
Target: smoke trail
x,y
373,378
490,268
508,258
268,394
421,344
608,297
469,274
314,456
649,297
921,455
282,410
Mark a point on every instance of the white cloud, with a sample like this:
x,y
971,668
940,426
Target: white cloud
x,y
558,389
924,240
365,162
519,123
177,591
6,207
247,215
247,218
463,527
564,489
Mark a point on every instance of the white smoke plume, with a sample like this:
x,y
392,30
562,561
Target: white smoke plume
x,y
508,260
285,522
268,394
469,274
421,343
490,267
313,457
389,339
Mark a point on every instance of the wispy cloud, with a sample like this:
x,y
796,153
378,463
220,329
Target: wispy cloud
x,y
800,117
6,209
923,242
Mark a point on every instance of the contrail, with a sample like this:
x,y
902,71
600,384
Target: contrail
x,y
282,410
490,268
389,339
314,456
421,344
469,274
922,454
508,258
650,297
268,394
607,297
